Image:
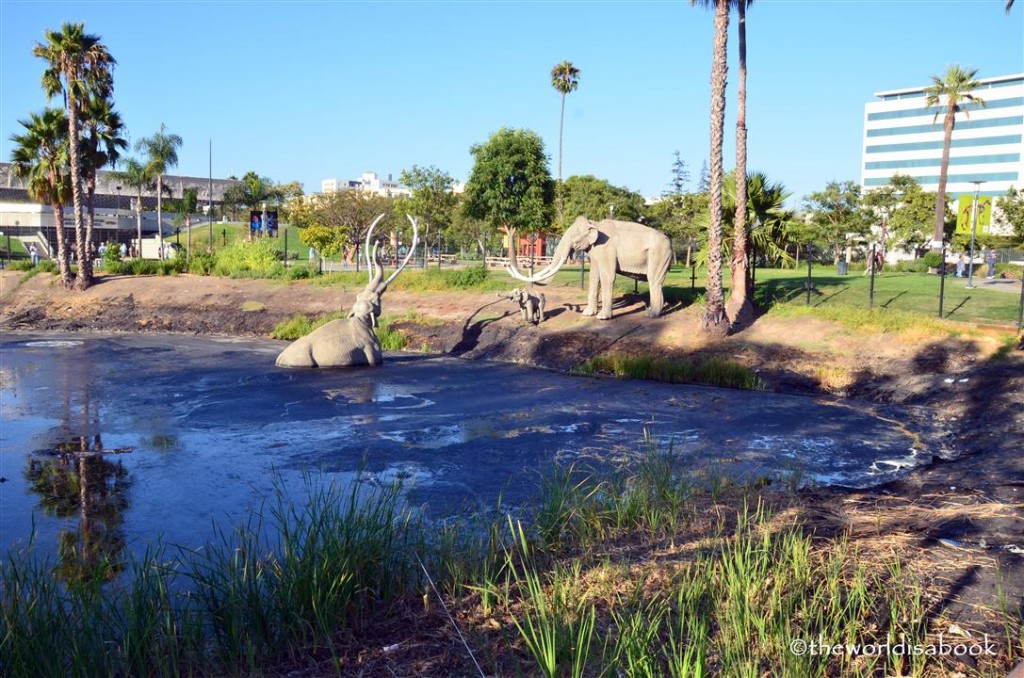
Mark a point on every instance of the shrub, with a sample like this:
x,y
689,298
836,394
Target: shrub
x,y
249,259
932,260
300,272
202,264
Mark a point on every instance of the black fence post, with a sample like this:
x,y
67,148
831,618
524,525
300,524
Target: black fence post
x,y
873,264
693,274
942,279
808,275
1020,306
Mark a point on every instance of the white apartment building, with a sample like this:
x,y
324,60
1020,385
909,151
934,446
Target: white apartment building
x,y
902,135
369,182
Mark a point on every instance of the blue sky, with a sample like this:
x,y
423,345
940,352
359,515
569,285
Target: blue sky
x,y
312,90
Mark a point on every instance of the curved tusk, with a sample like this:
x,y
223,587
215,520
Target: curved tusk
x,y
366,248
408,256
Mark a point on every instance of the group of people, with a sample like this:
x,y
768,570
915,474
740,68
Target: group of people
x,y
123,250
990,260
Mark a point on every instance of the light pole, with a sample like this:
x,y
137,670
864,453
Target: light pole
x,y
974,228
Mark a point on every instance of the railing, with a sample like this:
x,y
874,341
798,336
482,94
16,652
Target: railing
x,y
523,261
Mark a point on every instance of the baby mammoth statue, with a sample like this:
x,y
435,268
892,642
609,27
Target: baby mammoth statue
x,y
531,304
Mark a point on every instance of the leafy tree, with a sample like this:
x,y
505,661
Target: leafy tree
x,y
347,214
714,322
466,231
679,216
592,197
949,92
186,208
704,185
837,214
136,174
78,67
1010,212
565,78
509,186
909,209
40,158
162,154
433,199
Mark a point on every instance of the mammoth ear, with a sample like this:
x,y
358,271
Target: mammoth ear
x,y
587,240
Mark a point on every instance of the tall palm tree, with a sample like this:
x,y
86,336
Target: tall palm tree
x,y
136,175
102,144
162,154
79,65
565,78
40,158
714,322
740,307
948,92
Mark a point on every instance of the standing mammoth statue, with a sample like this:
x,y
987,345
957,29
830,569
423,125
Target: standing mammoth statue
x,y
634,250
352,341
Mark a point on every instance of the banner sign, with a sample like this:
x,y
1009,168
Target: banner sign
x,y
965,213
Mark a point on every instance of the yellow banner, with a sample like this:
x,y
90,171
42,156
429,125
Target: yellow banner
x,y
965,213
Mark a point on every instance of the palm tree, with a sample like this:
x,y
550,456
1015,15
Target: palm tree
x,y
40,158
79,66
949,92
101,146
565,78
740,306
136,175
162,153
714,322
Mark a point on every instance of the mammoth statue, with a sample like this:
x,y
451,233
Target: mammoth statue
x,y
350,341
634,250
531,305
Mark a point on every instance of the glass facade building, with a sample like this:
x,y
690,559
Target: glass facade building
x,y
903,135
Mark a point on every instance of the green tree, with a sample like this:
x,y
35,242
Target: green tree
x,y
40,158
347,215
565,78
740,309
78,66
433,200
510,186
136,175
161,155
908,210
102,144
714,322
466,231
1010,213
949,93
592,197
187,206
837,214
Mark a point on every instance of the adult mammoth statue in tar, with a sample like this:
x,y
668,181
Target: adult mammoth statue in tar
x,y
634,250
352,341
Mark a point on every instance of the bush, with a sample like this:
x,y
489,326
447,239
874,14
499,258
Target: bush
x,y
202,264
244,259
912,266
300,272
932,260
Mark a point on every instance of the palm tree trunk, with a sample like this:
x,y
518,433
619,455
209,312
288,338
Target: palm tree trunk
x,y
138,225
740,308
714,322
558,195
83,280
159,217
90,220
940,199
63,262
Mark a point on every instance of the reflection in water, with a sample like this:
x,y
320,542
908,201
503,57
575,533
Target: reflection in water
x,y
87,485
75,478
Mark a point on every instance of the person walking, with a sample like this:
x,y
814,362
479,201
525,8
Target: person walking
x,y
961,264
991,258
33,252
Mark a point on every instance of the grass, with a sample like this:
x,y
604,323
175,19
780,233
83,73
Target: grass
x,y
712,371
633,571
301,325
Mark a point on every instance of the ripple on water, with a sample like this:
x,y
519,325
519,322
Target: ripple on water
x,y
53,343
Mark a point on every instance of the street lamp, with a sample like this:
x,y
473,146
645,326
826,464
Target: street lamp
x,y
118,189
974,228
